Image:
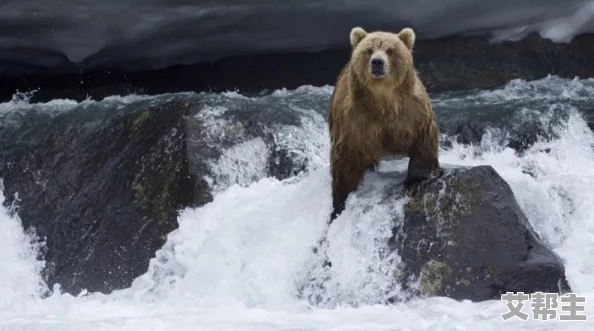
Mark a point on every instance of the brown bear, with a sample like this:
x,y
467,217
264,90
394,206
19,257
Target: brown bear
x,y
379,107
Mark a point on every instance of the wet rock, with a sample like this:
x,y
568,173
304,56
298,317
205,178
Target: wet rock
x,y
101,182
461,235
465,237
100,186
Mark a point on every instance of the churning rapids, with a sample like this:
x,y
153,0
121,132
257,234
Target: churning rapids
x,y
236,263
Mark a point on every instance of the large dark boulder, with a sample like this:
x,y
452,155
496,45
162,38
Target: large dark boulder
x,y
461,235
101,183
100,187
464,236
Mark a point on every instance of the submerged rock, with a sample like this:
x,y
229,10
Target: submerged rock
x,y
100,183
461,235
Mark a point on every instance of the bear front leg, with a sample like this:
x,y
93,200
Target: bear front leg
x,y
424,156
345,179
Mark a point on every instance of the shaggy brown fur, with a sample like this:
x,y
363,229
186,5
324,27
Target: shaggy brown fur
x,y
371,117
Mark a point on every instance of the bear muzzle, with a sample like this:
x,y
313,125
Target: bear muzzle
x,y
378,67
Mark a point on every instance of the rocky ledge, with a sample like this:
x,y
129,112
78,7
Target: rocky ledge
x,y
101,184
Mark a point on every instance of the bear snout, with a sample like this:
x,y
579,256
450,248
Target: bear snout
x,y
378,67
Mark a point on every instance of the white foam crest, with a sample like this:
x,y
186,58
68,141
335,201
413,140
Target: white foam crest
x,y
546,89
308,143
249,245
22,102
304,89
253,246
241,164
363,271
211,122
247,161
234,95
20,278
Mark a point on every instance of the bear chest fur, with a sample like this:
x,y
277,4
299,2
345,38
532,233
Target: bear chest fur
x,y
379,132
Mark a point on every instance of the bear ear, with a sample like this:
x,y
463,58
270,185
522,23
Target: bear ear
x,y
357,34
408,36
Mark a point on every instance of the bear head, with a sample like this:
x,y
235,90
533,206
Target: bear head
x,y
381,57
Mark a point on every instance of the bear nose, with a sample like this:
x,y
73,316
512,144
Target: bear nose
x,y
377,63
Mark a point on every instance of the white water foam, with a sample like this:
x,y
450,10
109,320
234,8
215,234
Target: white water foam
x,y
20,279
235,263
247,161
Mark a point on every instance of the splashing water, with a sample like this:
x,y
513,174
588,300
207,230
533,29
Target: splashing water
x,y
20,279
236,263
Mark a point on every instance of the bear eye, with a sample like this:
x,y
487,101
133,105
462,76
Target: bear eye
x,y
390,52
369,51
